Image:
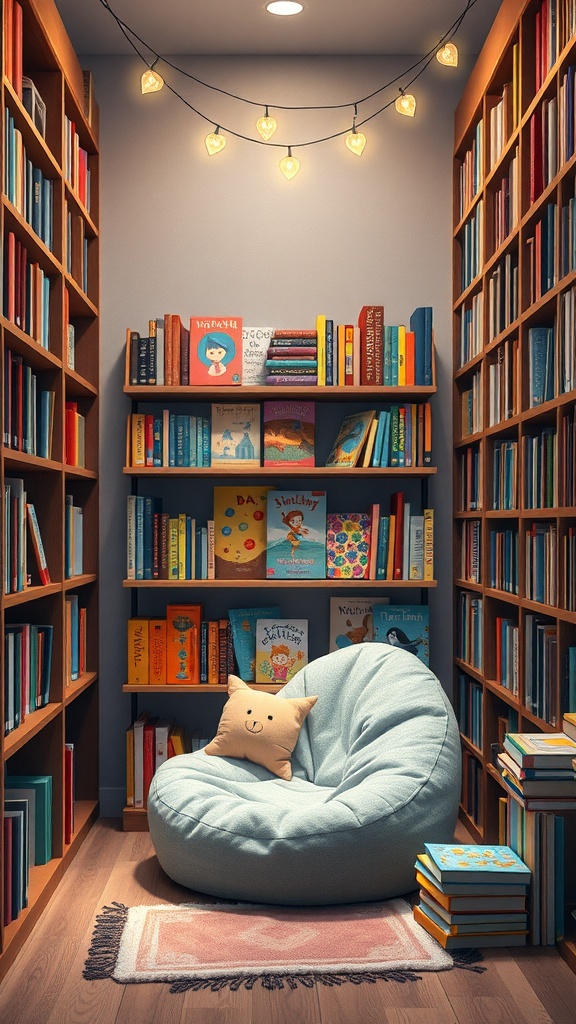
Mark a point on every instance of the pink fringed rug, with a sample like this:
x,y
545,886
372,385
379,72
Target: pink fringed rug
x,y
197,946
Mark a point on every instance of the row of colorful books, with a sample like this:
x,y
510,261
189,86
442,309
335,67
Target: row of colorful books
x,y
27,188
28,410
221,350
21,527
259,643
149,742
27,671
278,433
264,533
27,834
26,291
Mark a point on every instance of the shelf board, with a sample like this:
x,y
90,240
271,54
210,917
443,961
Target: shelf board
x,y
330,584
275,471
201,688
74,689
31,594
32,724
135,819
362,393
79,581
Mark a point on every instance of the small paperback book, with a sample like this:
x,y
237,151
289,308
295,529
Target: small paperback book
x,y
296,535
405,626
255,344
235,435
352,620
215,350
243,625
350,439
347,545
281,649
288,433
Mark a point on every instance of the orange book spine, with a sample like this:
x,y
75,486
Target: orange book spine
x,y
183,623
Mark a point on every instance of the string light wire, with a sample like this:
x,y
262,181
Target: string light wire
x,y
422,64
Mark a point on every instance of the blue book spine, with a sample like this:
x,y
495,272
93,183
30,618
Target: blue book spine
x,y
377,453
206,453
382,552
157,442
139,537
172,440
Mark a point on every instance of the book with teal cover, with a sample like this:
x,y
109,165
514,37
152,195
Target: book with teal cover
x,y
296,535
243,625
476,863
42,784
405,626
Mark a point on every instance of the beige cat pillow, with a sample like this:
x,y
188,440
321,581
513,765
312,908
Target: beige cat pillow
x,y
260,727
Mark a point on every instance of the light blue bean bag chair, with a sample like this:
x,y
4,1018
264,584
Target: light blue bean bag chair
x,y
376,773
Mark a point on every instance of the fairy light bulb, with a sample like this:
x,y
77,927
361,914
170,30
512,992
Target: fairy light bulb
x,y
266,125
214,142
448,55
356,141
151,81
289,165
406,104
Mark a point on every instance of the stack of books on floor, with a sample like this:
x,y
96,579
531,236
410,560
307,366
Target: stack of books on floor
x,y
472,896
538,773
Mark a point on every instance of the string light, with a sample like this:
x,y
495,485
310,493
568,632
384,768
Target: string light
x,y
289,165
215,142
355,140
448,55
406,103
266,125
151,81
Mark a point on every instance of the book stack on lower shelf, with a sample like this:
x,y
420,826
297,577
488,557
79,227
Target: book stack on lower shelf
x,y
472,895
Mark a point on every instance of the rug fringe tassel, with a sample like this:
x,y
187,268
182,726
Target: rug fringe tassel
x,y
468,960
106,938
292,981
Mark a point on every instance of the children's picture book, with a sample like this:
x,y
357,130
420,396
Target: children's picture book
x,y
288,433
255,344
405,626
240,532
296,535
350,439
472,863
281,649
243,625
235,434
215,350
352,620
347,545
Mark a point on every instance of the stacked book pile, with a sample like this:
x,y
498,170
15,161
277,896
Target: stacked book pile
x,y
538,773
292,358
472,895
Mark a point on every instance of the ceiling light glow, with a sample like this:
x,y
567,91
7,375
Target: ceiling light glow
x,y
284,7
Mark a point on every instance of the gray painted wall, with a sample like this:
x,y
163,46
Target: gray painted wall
x,y
182,232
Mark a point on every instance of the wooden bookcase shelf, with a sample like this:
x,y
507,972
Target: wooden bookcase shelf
x,y
43,349
514,455
354,489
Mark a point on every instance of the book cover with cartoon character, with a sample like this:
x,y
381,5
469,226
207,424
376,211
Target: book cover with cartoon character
x,y
281,649
296,535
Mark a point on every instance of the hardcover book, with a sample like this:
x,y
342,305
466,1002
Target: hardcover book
x,y
255,344
215,350
541,750
240,532
471,863
183,644
281,649
243,626
235,435
350,439
404,626
347,545
352,620
288,433
296,535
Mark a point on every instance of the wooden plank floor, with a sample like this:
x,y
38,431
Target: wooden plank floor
x,y
531,985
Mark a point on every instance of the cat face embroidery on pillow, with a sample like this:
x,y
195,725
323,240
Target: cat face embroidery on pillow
x,y
260,727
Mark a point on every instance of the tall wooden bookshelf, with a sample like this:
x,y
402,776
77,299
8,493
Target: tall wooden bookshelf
x,y
192,488
49,340
514,393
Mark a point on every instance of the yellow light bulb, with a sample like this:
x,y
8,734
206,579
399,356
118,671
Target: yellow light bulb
x,y
356,142
151,81
214,142
448,55
289,165
266,125
406,104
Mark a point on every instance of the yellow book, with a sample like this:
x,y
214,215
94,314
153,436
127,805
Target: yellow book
x,y
138,439
172,549
369,444
213,653
138,658
428,543
178,740
157,652
321,349
401,355
130,766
